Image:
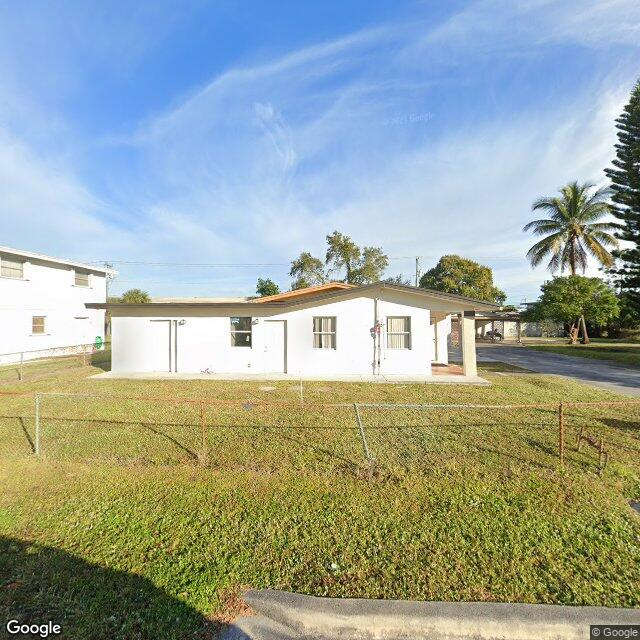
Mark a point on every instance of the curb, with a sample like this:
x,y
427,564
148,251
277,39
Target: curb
x,y
301,616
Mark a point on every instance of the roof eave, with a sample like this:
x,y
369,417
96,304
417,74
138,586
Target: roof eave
x,y
476,305
62,261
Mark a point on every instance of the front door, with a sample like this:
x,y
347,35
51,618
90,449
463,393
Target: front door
x,y
160,351
275,346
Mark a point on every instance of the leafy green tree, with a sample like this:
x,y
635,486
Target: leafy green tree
x,y
361,265
571,299
454,274
135,296
342,253
307,271
267,287
625,179
573,229
399,279
372,265
627,324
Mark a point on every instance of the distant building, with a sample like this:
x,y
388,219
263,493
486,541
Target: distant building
x,y
42,304
508,325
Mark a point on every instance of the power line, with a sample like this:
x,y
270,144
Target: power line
x,y
266,264
193,264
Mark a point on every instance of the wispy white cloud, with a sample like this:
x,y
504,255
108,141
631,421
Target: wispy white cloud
x,y
502,24
364,134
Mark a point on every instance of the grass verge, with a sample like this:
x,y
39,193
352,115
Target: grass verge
x,y
626,354
119,532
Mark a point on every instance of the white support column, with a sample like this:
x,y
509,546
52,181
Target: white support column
x,y
468,343
442,329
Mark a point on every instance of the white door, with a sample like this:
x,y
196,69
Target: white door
x,y
159,352
275,359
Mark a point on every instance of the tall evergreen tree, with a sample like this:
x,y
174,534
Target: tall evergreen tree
x,y
625,179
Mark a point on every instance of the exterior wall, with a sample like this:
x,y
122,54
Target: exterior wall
x,y
547,329
48,289
141,343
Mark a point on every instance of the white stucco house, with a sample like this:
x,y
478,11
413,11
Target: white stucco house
x,y
42,304
329,330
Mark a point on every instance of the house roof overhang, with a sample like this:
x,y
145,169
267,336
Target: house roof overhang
x,y
305,292
451,301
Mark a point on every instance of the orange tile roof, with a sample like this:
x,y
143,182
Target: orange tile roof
x,y
307,291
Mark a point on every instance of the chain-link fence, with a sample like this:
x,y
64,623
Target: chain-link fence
x,y
41,363
419,437
362,438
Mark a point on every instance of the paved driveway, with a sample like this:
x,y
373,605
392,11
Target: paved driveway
x,y
598,373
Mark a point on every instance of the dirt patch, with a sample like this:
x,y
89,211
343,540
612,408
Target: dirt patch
x,y
232,606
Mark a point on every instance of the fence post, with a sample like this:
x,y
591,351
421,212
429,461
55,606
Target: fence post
x,y
202,427
301,395
561,433
365,445
21,363
37,426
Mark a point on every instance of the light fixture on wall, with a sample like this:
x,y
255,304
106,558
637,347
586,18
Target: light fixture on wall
x,y
255,321
182,322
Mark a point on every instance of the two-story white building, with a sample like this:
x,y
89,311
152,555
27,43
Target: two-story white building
x,y
42,304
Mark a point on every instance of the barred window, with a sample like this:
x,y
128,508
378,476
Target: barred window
x,y
81,279
324,332
37,324
11,268
399,332
240,332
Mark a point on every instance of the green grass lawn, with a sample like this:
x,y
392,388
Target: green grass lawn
x,y
136,522
621,353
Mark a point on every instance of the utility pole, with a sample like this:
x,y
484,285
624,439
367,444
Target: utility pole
x,y
417,270
107,315
107,278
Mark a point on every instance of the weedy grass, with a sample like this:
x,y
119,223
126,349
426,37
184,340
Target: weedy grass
x,y
627,354
136,522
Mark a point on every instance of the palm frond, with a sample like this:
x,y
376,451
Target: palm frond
x,y
542,226
546,204
603,227
605,239
598,251
551,245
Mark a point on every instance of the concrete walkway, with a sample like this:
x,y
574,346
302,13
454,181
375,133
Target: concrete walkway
x,y
598,373
289,616
271,377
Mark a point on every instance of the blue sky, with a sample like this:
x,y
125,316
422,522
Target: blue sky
x,y
244,132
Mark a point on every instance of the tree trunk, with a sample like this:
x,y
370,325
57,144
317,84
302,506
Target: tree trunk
x,y
573,333
572,258
585,335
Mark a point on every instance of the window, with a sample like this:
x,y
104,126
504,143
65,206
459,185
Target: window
x,y
11,268
37,324
399,332
82,279
324,333
240,332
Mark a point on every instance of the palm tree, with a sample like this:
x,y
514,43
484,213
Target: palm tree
x,y
573,230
